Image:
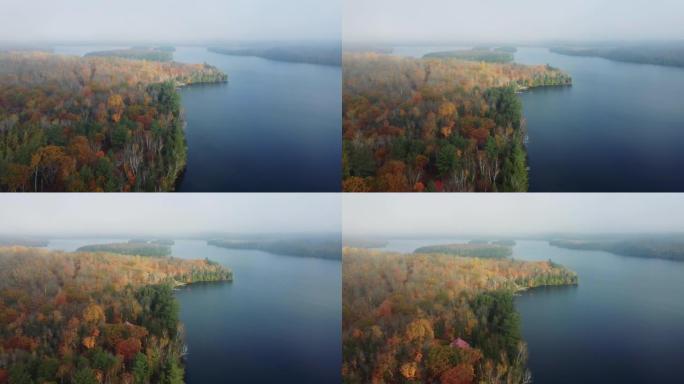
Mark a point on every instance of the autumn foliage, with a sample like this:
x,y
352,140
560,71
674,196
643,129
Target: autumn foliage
x,y
92,124
92,317
435,318
435,124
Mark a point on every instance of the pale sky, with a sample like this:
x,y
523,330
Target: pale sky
x,y
511,20
86,214
168,20
510,214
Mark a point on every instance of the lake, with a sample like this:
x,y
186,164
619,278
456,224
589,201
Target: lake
x,y
623,323
619,128
274,127
279,320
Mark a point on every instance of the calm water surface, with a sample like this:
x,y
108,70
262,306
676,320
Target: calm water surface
x,y
278,321
619,128
275,126
623,323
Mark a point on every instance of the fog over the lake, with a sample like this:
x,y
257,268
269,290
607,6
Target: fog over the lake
x,y
510,214
508,20
82,214
168,20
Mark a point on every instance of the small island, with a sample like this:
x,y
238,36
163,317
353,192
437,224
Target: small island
x,y
363,242
668,247
480,54
473,249
93,317
93,124
130,248
436,318
137,53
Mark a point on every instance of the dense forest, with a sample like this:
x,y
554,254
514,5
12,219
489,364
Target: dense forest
x,y
483,250
323,54
436,318
658,54
322,248
92,124
137,53
435,124
88,318
671,248
131,248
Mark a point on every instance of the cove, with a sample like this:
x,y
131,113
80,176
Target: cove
x,y
274,127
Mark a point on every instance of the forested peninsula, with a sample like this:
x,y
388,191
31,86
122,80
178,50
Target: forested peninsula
x,y
323,55
483,250
671,248
321,248
417,318
436,124
658,54
94,123
93,317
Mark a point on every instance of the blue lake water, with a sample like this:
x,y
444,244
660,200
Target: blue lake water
x,y
278,321
623,323
275,126
619,128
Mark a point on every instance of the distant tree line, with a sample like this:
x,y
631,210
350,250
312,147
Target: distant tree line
x,y
130,248
671,248
301,247
137,53
658,54
483,250
324,54
485,55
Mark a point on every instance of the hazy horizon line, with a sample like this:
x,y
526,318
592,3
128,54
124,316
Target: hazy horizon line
x,y
422,42
169,42
128,235
494,236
